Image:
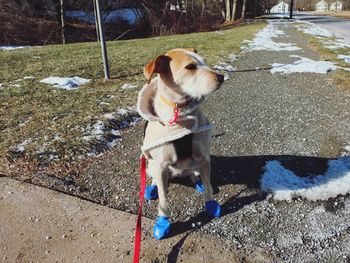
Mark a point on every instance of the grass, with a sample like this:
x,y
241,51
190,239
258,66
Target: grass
x,y
342,14
341,77
37,114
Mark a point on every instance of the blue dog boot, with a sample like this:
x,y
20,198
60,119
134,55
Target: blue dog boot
x,y
213,208
199,186
161,227
151,192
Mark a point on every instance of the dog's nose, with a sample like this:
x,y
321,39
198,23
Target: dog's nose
x,y
220,78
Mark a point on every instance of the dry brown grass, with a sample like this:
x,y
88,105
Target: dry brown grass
x,y
342,14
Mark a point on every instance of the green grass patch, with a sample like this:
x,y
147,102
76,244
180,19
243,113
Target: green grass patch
x,y
50,123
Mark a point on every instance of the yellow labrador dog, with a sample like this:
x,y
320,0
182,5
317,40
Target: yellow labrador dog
x,y
177,134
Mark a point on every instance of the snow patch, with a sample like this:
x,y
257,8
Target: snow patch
x,y
9,48
65,83
346,58
336,44
313,29
233,57
304,65
128,86
225,67
95,131
20,148
122,112
263,40
29,77
107,134
283,184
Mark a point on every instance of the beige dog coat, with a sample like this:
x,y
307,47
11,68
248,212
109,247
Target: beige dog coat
x,y
159,132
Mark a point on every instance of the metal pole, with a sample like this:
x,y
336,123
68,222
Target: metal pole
x,y
291,9
102,40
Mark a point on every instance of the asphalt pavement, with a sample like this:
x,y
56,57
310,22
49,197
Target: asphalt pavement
x,y
340,27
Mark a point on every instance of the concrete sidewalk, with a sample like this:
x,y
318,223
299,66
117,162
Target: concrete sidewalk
x,y
42,225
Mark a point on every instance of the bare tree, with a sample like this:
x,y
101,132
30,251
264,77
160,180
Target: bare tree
x,y
243,9
228,10
62,20
234,9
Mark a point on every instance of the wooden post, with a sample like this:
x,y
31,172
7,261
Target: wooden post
x,y
291,9
62,22
102,40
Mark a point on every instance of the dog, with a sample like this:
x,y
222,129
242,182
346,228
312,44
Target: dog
x,y
177,134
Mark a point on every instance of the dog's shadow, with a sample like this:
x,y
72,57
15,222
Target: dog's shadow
x,y
241,170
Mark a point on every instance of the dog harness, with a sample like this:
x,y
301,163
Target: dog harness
x,y
186,120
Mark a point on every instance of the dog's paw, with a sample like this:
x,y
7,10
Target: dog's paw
x,y
161,227
199,186
151,192
213,208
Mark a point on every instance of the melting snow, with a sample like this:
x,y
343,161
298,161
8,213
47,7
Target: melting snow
x,y
283,184
20,148
225,67
122,111
128,86
66,83
263,40
313,29
12,47
336,44
304,65
345,57
95,131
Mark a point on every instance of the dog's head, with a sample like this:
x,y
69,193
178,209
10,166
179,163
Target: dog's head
x,y
185,71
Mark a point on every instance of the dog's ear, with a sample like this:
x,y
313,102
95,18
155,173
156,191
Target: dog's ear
x,y
192,49
158,65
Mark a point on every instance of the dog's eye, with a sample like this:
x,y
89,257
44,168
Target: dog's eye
x,y
191,66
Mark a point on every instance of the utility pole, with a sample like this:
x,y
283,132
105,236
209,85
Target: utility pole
x,y
62,22
102,40
291,9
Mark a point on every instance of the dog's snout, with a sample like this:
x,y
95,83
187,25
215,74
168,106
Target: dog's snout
x,y
220,78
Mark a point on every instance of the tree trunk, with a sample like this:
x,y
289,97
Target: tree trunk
x,y
228,10
62,22
243,9
234,9
96,22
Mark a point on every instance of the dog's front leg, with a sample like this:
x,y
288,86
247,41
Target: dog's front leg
x,y
161,173
162,225
213,208
205,177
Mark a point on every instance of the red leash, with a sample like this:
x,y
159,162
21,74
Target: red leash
x,y
138,231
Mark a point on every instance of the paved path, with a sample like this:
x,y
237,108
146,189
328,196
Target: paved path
x,y
302,120
340,27
41,225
